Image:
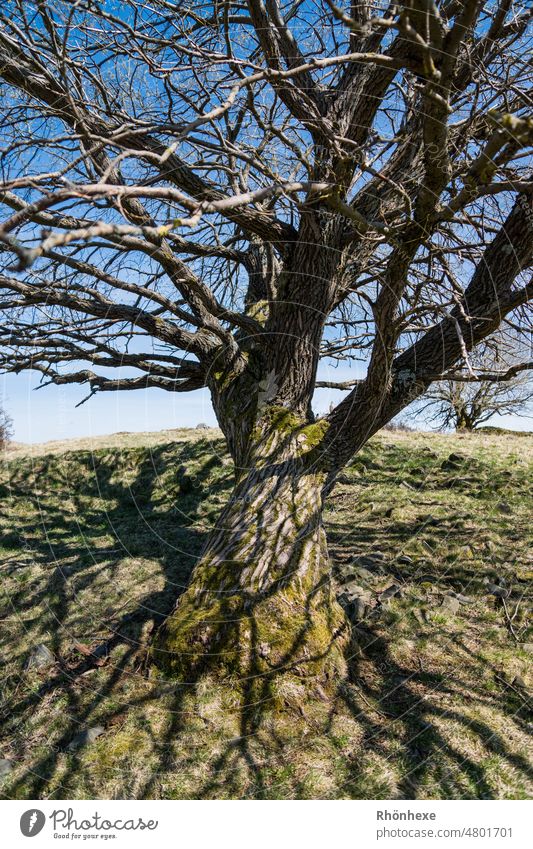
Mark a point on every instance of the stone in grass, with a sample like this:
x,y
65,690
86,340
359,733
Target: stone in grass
x,y
453,462
6,766
364,574
393,591
355,601
186,481
458,458
499,592
462,599
372,562
352,589
40,658
365,568
420,615
505,508
344,479
84,738
450,604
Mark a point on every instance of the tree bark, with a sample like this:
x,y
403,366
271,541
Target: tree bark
x,y
260,605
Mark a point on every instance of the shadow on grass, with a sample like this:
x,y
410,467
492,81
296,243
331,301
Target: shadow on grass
x,y
71,505
155,516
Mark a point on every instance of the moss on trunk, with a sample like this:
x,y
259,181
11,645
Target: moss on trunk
x,y
260,606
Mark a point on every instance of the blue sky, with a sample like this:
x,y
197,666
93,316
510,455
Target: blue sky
x,y
51,413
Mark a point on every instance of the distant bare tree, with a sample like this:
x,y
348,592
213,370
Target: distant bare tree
x,y
494,386
6,429
465,406
222,196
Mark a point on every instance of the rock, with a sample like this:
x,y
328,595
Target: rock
x,y
344,572
391,592
85,737
263,650
366,568
428,521
352,589
41,657
527,647
454,462
519,682
373,562
364,575
355,601
344,479
405,559
368,464
6,766
202,426
186,485
186,481
462,599
450,604
499,592
377,555
458,458
446,466
505,508
356,609
420,615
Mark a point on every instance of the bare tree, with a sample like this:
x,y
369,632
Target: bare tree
x,y
499,383
224,195
6,429
465,406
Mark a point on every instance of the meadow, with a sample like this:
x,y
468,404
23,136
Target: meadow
x,y
430,539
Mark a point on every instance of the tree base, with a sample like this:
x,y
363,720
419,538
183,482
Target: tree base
x,y
257,643
260,608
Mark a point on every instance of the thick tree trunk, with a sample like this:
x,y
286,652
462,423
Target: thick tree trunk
x,y
463,421
260,604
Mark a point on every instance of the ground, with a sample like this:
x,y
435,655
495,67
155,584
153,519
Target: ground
x,y
98,537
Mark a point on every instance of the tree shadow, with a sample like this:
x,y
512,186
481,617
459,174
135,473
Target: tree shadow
x,y
88,521
91,520
420,706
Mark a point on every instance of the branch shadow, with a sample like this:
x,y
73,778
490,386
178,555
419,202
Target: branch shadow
x,y
80,522
72,540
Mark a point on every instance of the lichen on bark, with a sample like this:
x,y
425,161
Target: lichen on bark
x,y
260,605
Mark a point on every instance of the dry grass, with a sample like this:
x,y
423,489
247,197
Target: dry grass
x,y
96,538
122,439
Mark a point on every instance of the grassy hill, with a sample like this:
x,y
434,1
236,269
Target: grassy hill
x,y
97,538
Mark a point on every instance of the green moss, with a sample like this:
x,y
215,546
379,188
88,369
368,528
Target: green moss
x,y
315,433
259,311
296,629
279,421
